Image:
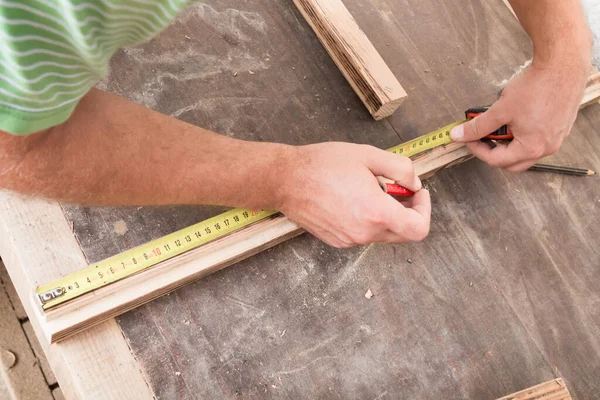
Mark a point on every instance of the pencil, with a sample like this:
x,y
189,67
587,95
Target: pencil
x,y
562,170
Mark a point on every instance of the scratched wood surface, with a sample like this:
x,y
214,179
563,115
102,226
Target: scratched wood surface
x,y
501,296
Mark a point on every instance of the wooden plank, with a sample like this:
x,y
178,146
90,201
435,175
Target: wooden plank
x,y
354,55
555,389
112,300
37,245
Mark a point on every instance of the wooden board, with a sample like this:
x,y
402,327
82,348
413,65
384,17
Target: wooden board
x,y
37,244
354,55
555,389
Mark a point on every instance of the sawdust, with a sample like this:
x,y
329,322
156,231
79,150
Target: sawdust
x,y
120,227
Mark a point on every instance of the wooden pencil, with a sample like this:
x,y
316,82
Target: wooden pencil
x,y
559,169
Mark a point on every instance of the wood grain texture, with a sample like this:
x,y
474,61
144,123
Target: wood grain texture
x,y
354,55
555,389
37,244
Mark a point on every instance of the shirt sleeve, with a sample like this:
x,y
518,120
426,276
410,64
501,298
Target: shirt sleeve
x,y
54,52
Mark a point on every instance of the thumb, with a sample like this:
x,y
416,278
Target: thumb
x,y
481,125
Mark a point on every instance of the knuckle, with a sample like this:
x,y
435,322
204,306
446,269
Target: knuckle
x,y
494,162
553,148
417,231
362,238
473,127
374,217
536,152
421,233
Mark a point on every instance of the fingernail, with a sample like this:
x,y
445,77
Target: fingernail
x,y
457,133
418,183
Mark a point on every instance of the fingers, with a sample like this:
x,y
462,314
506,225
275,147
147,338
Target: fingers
x,y
397,168
411,224
501,156
482,125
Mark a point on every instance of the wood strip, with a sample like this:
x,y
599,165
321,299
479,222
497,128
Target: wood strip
x,y
354,55
552,390
37,245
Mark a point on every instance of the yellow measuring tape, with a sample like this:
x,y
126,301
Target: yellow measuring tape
x,y
133,261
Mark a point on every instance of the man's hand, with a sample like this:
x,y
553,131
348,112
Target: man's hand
x,y
540,105
332,191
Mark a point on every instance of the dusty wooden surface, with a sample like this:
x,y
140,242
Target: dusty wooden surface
x,y
501,296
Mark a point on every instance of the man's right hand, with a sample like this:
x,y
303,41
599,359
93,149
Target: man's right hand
x,y
331,190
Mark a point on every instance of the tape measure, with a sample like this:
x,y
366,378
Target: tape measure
x,y
436,138
139,258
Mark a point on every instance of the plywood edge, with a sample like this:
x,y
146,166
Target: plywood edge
x,y
353,53
36,244
555,389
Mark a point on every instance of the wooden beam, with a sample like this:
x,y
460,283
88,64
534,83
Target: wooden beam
x,y
553,390
354,55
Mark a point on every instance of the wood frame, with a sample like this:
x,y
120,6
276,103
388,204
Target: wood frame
x,y
354,54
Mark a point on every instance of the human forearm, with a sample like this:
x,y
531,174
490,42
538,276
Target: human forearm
x,y
558,30
112,151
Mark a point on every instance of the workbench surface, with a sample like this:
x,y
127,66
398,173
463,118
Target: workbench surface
x,y
503,294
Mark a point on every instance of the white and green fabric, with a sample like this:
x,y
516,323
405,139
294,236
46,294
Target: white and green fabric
x,y
53,51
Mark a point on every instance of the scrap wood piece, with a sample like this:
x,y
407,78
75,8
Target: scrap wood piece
x,y
354,54
552,390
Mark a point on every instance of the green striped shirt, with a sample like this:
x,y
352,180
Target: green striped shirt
x,y
53,51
